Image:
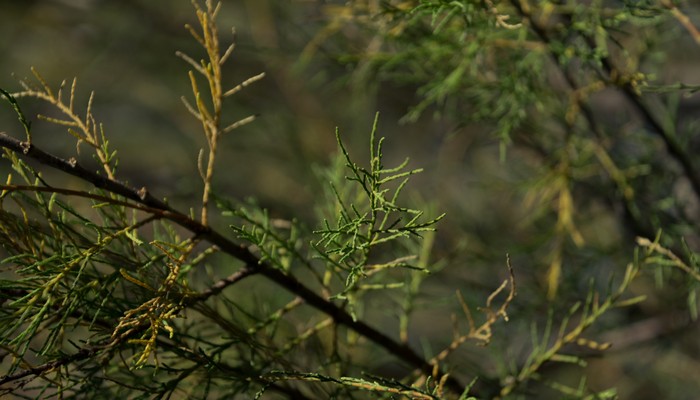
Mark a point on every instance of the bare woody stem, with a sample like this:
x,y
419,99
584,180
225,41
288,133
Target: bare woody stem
x,y
252,263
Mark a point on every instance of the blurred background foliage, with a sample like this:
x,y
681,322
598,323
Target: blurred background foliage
x,y
481,105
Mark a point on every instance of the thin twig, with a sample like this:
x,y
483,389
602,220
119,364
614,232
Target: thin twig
x,y
674,148
683,20
242,253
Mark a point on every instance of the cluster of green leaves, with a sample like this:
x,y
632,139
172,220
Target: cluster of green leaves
x,y
108,291
577,96
368,215
77,280
97,299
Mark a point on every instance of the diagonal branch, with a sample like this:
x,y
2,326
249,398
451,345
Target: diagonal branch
x,y
630,212
252,263
91,352
82,354
673,146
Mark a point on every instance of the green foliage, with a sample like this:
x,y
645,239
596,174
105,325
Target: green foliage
x,y
368,215
534,74
108,290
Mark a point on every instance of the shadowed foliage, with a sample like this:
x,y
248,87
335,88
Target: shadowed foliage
x,y
540,242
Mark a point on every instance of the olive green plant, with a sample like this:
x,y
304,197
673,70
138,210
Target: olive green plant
x,y
108,290
98,290
579,97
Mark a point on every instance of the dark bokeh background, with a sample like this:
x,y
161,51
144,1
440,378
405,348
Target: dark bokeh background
x,y
125,51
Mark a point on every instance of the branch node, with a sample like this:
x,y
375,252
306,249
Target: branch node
x,y
143,193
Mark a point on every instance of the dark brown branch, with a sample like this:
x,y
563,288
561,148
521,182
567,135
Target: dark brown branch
x,y
83,354
91,352
219,286
242,372
630,212
242,253
673,147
